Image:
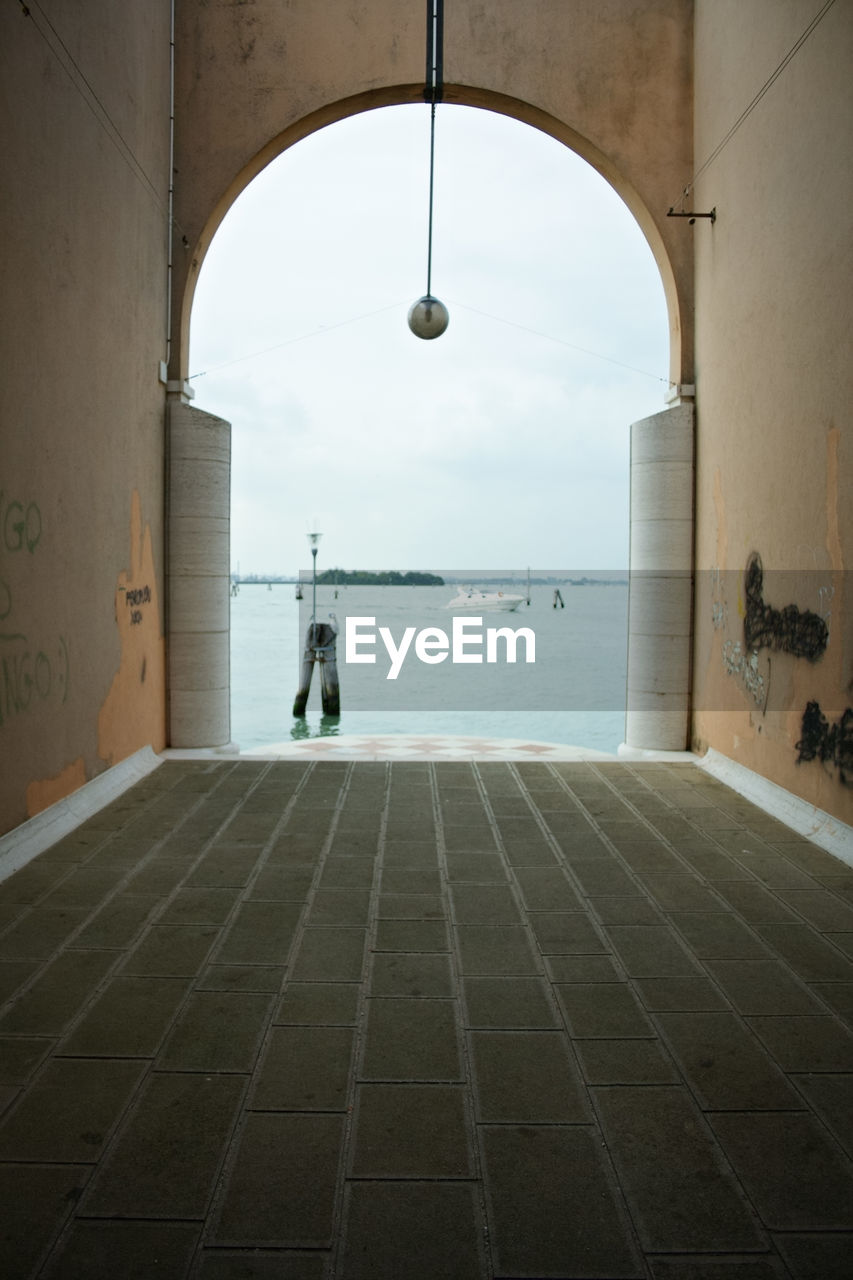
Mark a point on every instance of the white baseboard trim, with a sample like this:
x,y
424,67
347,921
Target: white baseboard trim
x,y
833,835
23,843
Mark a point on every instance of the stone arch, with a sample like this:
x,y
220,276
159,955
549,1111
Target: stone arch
x,y
678,306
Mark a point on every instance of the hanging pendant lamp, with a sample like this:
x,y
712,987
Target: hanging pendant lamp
x,y
428,317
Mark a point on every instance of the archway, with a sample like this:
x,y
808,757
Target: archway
x,y
675,326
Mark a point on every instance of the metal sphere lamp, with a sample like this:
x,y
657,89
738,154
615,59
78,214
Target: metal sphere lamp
x,y
428,318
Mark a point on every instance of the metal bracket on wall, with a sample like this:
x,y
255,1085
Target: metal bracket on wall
x,y
693,216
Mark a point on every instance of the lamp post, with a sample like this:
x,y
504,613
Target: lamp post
x,y
313,539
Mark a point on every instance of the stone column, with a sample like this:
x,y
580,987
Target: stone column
x,y
660,598
199,542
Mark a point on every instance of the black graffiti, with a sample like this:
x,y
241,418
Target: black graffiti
x,y
829,743
140,595
21,527
790,630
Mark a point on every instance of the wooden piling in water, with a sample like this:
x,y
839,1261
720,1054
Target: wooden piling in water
x,y
320,647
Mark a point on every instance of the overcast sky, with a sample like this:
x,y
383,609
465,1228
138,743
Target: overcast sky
x,y
497,445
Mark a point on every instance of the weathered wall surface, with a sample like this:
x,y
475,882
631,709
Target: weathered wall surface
x,y
612,79
774,393
85,104
83,225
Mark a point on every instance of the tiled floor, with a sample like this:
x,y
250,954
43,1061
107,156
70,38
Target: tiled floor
x,y
419,1020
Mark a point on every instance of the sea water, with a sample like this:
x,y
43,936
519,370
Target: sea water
x,y
585,706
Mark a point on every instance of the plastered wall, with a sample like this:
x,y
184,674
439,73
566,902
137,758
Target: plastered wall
x,y
84,221
773,661
83,228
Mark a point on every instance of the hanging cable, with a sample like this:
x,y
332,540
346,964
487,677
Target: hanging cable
x,y
428,318
748,110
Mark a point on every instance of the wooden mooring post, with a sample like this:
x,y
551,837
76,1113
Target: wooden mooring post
x,y
320,647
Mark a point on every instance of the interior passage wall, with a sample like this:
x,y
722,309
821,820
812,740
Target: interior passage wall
x,y
774,539
84,229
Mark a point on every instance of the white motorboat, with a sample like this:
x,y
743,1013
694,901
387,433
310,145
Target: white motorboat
x,y
472,600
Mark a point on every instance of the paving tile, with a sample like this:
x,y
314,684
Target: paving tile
x,y
680,893
57,994
85,887
771,868
13,975
725,1066
762,987
289,882
624,910
199,906
606,1010
839,997
679,995
844,942
32,881
793,1172
495,949
413,974
223,868
165,1161
755,903
103,1250
478,868
566,933
118,923
410,906
319,1004
683,1196
348,873
717,867
128,1020
19,1057
340,907
159,876
831,1096
330,955
821,908
604,876
582,846
281,1189
411,1040
552,1208
411,1131
241,977
67,1114
411,935
815,1256
808,954
715,936
41,932
547,889
36,1200
650,951
217,1031
484,904
172,950
529,853
625,1062
806,1043
304,1069
565,968
407,878
420,1230
506,1003
648,858
729,1267
526,1077
406,853
261,933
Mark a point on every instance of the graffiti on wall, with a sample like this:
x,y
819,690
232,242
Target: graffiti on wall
x,y
829,743
31,671
788,630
